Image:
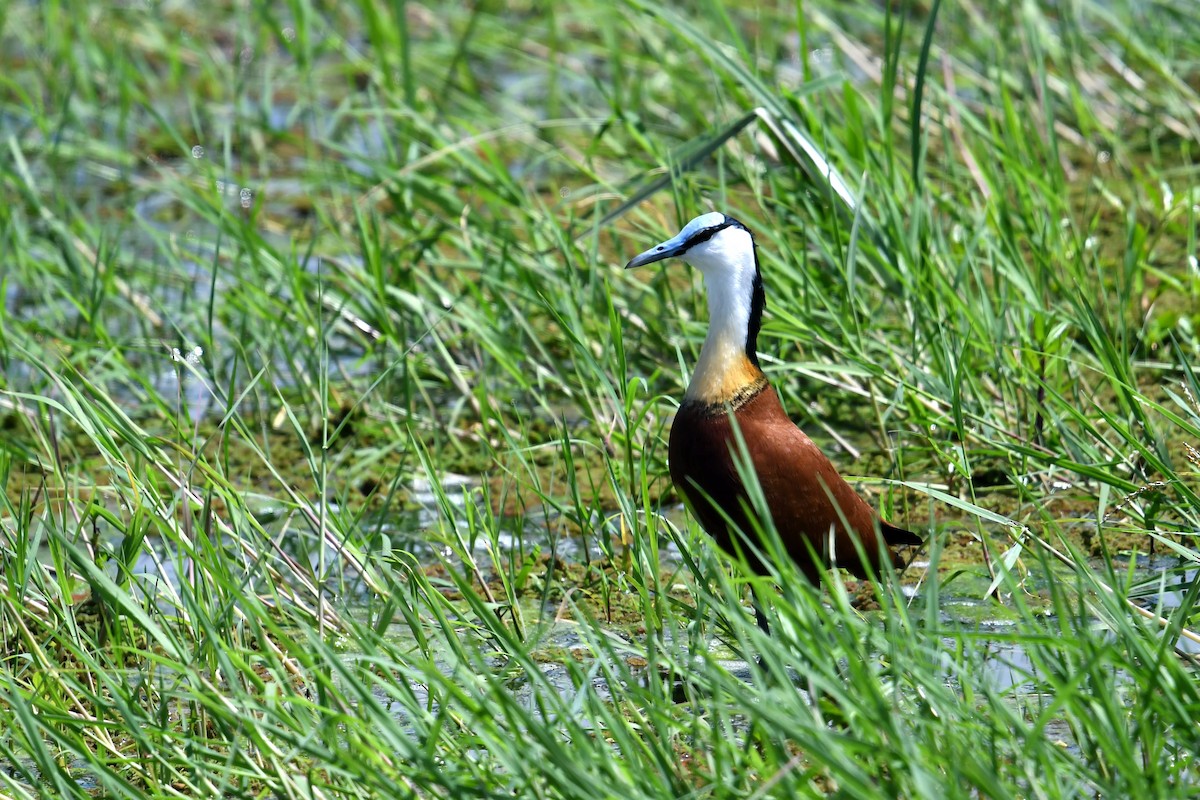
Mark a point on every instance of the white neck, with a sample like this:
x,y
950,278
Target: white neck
x,y
729,269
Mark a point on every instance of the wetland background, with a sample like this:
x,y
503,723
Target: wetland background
x,y
333,434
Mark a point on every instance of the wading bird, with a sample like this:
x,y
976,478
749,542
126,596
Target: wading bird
x,y
821,520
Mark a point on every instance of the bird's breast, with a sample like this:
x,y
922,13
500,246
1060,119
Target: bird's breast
x,y
701,457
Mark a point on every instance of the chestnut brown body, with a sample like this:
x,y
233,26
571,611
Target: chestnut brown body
x,y
818,515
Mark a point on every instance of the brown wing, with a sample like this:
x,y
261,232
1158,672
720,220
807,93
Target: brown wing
x,y
807,497
811,503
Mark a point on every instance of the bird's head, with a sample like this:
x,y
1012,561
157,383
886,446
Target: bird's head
x,y
711,243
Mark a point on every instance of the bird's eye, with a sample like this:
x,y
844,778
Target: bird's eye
x,y
659,247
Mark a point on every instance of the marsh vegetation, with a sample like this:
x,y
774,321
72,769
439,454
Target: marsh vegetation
x,y
333,434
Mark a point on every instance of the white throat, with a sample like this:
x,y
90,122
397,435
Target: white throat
x,y
727,263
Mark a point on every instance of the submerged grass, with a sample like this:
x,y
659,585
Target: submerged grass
x,y
261,263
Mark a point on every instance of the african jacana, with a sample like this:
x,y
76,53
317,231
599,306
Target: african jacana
x,y
817,514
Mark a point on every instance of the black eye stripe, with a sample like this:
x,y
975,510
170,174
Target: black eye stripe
x,y
703,236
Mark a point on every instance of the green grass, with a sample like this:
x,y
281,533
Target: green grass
x,y
390,238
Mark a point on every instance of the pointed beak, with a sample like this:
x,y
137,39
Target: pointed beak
x,y
668,249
